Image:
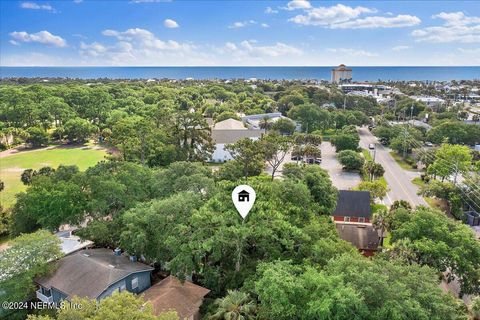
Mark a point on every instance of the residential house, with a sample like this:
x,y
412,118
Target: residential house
x,y
254,121
95,274
227,132
352,217
171,294
364,237
352,207
71,243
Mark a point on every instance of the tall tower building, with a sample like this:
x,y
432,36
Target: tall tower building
x,y
342,74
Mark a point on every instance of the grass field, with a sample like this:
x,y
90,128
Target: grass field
x,y
401,162
12,166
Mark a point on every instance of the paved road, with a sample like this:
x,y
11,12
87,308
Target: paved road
x,y
398,179
340,179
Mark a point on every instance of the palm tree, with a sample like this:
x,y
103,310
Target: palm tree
x,y
236,305
381,221
265,124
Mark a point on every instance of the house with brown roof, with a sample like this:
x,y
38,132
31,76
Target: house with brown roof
x,y
363,236
94,274
352,217
171,294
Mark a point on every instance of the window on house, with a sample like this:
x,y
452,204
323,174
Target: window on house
x,y
361,219
135,283
346,219
122,288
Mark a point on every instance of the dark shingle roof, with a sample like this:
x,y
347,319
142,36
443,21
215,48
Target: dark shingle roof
x,y
361,236
170,294
88,273
353,204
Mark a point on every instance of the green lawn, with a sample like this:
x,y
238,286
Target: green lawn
x,y
11,167
418,182
401,162
367,155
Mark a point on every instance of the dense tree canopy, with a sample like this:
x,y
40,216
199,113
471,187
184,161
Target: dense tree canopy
x,y
157,199
443,244
27,257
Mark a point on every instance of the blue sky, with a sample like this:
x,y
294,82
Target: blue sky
x,y
179,33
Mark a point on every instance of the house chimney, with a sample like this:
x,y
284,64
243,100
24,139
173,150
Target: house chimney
x,y
118,251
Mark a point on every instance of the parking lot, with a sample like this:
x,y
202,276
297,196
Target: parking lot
x,y
340,179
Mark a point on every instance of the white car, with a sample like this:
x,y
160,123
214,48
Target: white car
x,y
371,146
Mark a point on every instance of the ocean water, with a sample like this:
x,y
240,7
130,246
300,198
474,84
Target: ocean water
x,y
273,73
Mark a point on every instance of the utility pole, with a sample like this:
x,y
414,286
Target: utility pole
x,y
411,114
344,102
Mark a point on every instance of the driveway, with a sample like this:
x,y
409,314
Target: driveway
x,y
341,180
399,180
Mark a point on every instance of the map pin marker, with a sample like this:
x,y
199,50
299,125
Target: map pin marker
x,y
243,198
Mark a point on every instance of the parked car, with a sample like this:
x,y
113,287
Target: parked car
x,y
314,160
371,146
428,144
296,158
384,141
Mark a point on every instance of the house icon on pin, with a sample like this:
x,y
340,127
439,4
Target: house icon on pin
x,y
243,196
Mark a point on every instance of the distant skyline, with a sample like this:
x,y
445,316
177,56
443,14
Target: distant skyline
x,y
239,33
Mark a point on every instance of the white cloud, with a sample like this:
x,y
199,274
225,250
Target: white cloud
x,y
328,16
77,1
44,37
400,48
345,17
457,27
137,46
470,51
169,23
242,24
36,6
352,52
145,39
379,22
269,10
249,51
298,4
247,23
94,49
15,43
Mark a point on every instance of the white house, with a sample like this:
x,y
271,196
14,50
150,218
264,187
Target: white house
x,y
227,132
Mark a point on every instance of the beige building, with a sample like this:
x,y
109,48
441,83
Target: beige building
x,y
341,74
227,132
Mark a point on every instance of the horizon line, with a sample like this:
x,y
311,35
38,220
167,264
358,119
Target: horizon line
x,y
249,66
